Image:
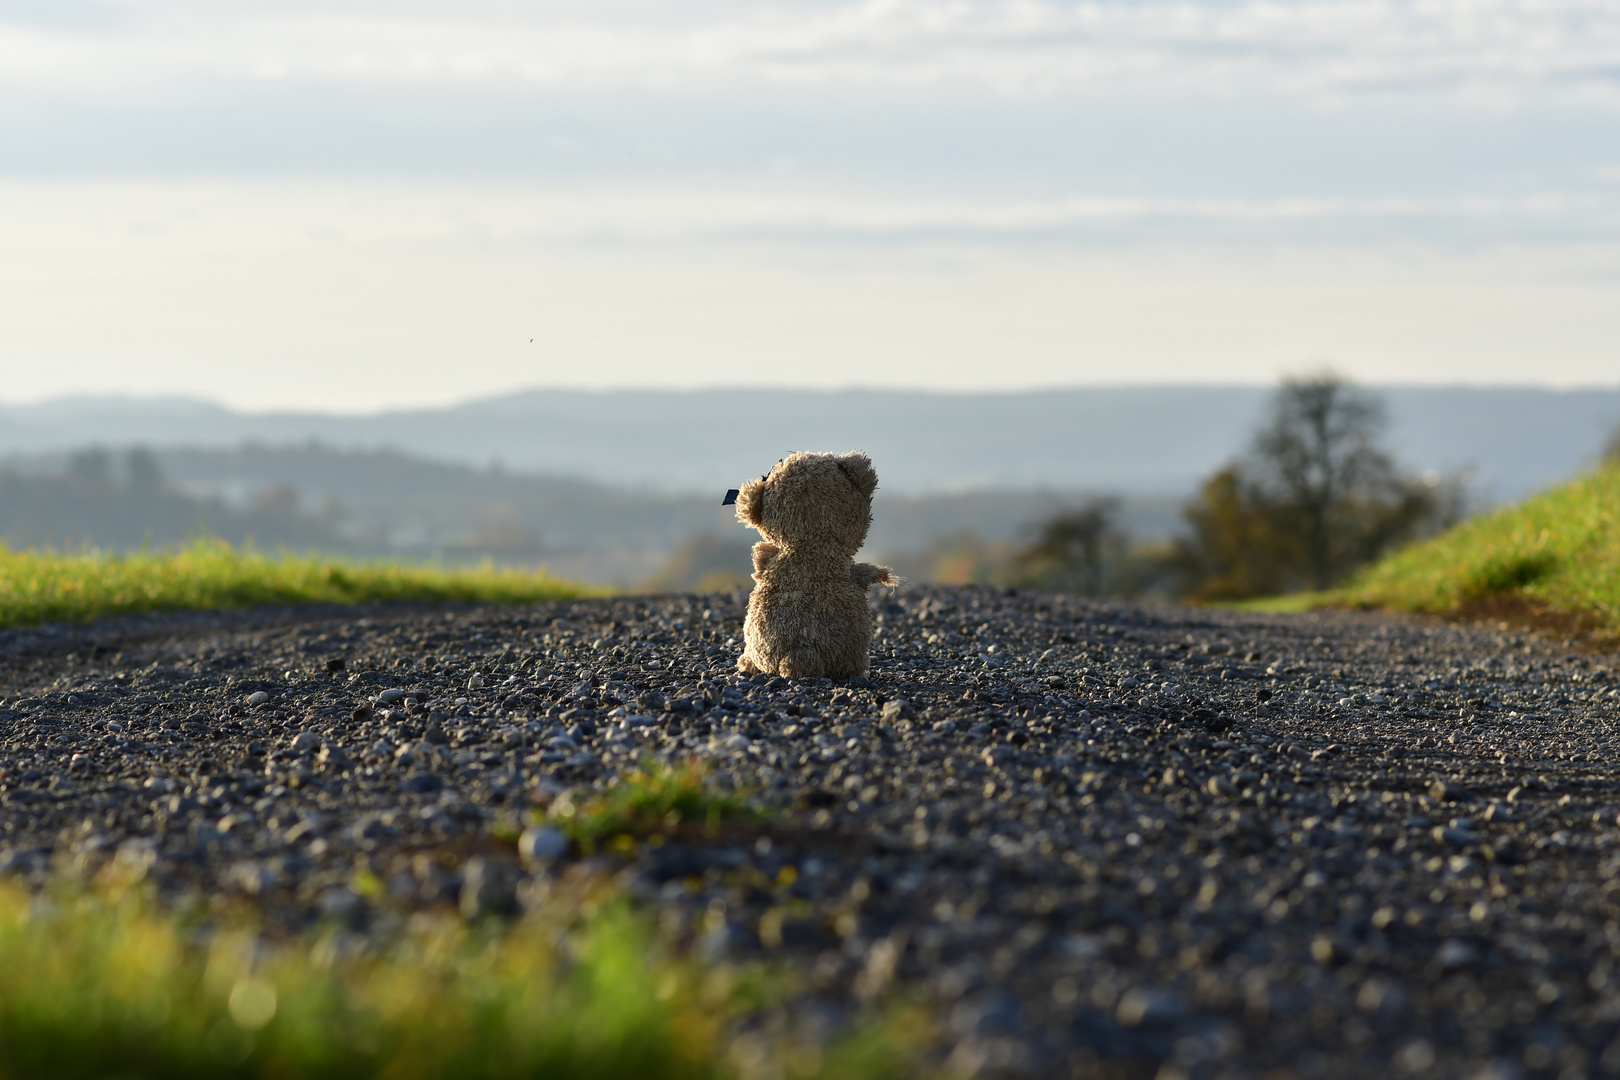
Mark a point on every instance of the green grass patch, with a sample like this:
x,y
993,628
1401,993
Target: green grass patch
x,y
1555,555
40,587
100,982
655,801
1288,603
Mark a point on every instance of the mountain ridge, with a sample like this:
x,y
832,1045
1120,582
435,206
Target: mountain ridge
x,y
1140,439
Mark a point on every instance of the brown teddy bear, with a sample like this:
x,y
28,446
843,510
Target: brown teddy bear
x,y
807,617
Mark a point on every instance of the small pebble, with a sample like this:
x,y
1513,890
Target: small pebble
x,y
542,844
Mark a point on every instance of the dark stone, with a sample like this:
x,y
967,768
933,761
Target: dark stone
x,y
1207,719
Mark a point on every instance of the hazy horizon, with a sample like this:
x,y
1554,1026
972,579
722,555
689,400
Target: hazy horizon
x,y
120,399
1134,439
609,485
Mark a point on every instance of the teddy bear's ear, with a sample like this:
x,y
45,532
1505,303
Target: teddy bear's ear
x,y
751,502
858,467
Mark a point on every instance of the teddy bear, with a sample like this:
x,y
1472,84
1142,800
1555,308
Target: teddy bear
x,y
807,616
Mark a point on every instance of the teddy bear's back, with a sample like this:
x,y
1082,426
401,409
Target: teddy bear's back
x,y
808,616
802,607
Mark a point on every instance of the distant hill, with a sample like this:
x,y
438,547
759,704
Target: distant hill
x,y
383,502
120,504
1141,440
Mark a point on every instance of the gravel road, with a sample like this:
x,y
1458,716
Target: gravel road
x,y
1101,840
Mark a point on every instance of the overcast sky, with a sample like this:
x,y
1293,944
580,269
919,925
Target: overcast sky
x,y
347,205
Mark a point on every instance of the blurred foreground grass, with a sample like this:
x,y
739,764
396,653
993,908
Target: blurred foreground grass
x,y
654,801
40,587
98,982
1554,559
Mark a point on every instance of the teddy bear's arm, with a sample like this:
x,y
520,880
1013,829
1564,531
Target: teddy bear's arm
x,y
764,552
867,575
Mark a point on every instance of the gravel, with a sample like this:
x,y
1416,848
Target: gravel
x,y
1096,839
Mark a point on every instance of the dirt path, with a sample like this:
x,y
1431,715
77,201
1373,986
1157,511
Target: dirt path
x,y
1073,829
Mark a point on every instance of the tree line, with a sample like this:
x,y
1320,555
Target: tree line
x,y
124,502
1314,497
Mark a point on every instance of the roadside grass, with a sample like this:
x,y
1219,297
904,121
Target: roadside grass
x,y
38,587
1288,603
1552,560
1557,554
99,981
653,801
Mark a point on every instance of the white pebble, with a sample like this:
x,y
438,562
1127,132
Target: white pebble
x,y
542,845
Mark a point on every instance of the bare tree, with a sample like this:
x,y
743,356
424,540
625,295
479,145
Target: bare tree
x,y
1074,550
1318,453
1315,498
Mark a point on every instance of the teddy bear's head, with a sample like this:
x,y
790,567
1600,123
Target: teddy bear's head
x,y
812,500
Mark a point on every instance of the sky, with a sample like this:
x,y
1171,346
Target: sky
x,y
353,205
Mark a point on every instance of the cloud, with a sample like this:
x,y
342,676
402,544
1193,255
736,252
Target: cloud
x,y
344,200
523,217
1486,50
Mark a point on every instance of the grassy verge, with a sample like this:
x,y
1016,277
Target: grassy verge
x,y
47,587
1289,603
99,982
1552,560
1556,554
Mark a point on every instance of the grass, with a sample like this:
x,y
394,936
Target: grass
x,y
655,801
1287,603
1553,559
38,587
99,982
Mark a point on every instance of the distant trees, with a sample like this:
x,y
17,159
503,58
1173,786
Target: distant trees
x,y
705,563
91,467
1611,448
1075,551
144,473
1315,498
124,502
958,557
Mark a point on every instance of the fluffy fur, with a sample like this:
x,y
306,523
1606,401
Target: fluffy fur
x,y
807,617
